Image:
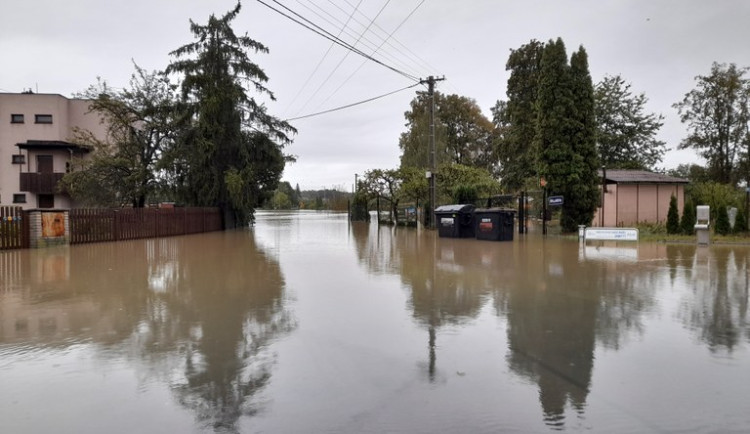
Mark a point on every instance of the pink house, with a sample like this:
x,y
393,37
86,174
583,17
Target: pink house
x,y
635,196
36,144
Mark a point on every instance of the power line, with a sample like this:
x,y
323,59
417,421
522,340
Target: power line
x,y
338,65
413,54
375,51
324,33
369,43
353,104
320,62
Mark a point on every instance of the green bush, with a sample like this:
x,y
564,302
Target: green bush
x,y
722,221
740,223
687,224
673,217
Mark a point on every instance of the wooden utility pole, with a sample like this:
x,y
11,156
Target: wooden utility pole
x,y
433,164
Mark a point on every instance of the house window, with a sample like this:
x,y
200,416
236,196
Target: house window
x,y
16,119
43,119
19,159
46,201
19,198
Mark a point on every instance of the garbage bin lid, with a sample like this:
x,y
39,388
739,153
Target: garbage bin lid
x,y
455,208
495,210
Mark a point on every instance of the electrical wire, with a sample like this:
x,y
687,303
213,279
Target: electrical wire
x,y
338,65
320,62
367,42
352,104
414,56
375,51
324,33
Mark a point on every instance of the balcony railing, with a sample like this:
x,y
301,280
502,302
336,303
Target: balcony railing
x,y
40,183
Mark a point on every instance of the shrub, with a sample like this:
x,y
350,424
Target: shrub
x,y
687,224
740,223
722,221
673,217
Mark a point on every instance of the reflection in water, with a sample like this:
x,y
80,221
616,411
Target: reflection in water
x,y
557,305
718,306
444,278
198,312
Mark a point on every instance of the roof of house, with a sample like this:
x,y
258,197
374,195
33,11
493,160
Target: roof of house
x,y
48,145
619,176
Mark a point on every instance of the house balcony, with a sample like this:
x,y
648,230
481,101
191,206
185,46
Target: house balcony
x,y
40,183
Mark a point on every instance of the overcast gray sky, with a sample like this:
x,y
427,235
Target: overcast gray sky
x,y
657,45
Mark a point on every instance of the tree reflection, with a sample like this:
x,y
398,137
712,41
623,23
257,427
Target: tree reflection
x,y
445,278
221,307
198,312
718,305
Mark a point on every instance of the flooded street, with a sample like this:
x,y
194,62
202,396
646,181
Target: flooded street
x,y
307,323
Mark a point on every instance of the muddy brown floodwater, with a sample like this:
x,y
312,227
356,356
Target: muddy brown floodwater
x,y
308,323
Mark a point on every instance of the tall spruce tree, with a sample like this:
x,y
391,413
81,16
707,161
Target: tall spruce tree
x,y
673,217
565,136
231,154
687,222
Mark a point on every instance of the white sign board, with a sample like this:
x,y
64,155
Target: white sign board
x,y
611,234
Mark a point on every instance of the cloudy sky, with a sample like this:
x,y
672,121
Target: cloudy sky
x,y
660,46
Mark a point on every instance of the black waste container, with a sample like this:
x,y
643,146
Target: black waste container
x,y
495,224
455,221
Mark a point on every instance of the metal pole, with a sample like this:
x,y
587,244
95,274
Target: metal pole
x,y
431,93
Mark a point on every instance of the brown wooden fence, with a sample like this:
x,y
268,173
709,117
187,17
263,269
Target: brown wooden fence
x,y
14,229
95,225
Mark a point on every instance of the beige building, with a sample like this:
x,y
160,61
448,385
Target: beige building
x,y
36,146
637,196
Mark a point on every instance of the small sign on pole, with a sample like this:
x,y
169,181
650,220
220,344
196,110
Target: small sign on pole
x,y
555,201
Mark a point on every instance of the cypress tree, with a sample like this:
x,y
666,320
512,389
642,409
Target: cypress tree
x,y
740,222
565,136
584,180
722,221
687,224
673,218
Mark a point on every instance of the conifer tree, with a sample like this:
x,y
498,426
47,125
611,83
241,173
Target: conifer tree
x,y
722,221
687,223
673,218
565,136
740,221
231,153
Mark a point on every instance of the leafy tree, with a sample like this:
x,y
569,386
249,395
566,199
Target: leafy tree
x,y
516,120
673,217
692,172
468,132
231,155
687,223
451,177
565,133
715,195
463,135
717,113
141,126
385,184
722,221
414,142
280,200
625,133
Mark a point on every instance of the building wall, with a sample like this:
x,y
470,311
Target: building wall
x,y
67,114
630,204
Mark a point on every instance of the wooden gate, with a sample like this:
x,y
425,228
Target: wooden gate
x,y
14,229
